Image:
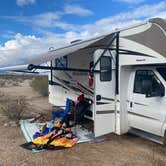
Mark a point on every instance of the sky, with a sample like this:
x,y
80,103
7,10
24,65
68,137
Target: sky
x,y
30,27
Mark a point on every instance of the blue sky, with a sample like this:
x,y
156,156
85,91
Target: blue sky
x,y
30,27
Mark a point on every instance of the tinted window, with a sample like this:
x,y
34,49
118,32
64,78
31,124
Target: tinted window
x,y
142,75
105,68
162,72
61,62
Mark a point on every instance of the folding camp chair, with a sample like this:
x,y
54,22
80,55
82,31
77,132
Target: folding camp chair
x,y
63,113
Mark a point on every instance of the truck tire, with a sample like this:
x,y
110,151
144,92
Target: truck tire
x,y
164,138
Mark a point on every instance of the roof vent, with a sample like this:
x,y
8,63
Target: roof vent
x,y
75,41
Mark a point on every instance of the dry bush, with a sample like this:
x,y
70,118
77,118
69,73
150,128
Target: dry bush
x,y
13,80
2,97
40,84
15,84
13,108
8,82
159,162
2,83
13,77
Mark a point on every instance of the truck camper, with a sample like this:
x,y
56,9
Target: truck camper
x,y
123,73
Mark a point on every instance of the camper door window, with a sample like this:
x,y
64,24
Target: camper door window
x,y
61,62
105,68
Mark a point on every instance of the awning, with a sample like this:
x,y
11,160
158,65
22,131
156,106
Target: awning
x,y
87,45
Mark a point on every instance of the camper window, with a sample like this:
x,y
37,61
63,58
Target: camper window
x,y
143,76
61,62
105,68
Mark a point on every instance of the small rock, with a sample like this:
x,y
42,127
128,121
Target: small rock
x,y
6,124
13,124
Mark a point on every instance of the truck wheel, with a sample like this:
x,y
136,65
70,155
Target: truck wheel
x,y
164,138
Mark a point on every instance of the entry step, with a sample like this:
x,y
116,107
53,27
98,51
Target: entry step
x,y
146,135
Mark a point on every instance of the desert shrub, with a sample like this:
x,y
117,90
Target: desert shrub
x,y
40,84
6,81
13,108
14,79
2,83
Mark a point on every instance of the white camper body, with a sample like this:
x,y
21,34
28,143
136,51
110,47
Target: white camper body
x,y
129,68
121,100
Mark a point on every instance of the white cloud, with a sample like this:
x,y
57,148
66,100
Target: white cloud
x,y
144,11
77,10
25,47
54,19
125,19
22,48
161,15
24,2
44,20
17,49
50,19
7,34
130,1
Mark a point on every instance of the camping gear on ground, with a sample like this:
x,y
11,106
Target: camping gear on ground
x,y
43,131
81,108
40,118
29,129
58,133
58,142
60,136
74,112
63,113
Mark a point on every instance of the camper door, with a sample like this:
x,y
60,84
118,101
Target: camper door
x,y
104,106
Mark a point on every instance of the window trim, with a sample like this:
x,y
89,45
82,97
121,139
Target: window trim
x,y
110,59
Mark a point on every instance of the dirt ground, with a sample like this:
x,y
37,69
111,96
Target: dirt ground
x,y
126,150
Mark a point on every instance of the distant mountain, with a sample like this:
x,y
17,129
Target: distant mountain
x,y
2,73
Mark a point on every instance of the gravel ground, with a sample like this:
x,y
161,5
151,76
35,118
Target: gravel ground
x,y
123,150
126,150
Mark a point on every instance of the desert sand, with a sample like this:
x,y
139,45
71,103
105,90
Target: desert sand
x,y
125,150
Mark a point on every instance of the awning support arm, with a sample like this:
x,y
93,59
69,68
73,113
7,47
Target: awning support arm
x,y
117,64
31,67
109,44
51,73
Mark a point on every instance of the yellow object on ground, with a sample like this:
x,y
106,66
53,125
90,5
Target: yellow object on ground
x,y
65,142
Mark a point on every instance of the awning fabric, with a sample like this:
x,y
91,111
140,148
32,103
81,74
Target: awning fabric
x,y
91,45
